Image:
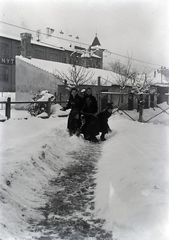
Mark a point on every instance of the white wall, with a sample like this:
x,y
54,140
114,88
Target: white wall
x,y
30,79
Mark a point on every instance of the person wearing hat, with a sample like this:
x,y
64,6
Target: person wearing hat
x,y
103,121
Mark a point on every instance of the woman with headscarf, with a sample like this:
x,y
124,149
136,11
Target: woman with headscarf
x,y
75,104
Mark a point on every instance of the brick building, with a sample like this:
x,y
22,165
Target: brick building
x,y
11,47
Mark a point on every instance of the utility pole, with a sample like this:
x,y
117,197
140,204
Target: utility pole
x,y
98,100
161,74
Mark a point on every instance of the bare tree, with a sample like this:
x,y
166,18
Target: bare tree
x,y
142,82
77,75
126,74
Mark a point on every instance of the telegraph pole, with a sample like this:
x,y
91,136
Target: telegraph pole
x,y
98,100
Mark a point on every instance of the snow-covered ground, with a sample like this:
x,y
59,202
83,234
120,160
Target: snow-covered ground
x,y
132,191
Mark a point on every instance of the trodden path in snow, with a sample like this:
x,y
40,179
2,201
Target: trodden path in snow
x,y
69,212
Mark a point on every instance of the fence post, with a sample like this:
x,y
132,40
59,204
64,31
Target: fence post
x,y
60,98
98,94
48,106
8,108
141,102
55,98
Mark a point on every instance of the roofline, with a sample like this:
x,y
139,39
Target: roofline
x,y
36,43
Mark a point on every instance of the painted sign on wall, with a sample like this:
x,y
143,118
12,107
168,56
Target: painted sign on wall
x,y
7,61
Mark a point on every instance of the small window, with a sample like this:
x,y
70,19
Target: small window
x,y
18,51
4,50
4,73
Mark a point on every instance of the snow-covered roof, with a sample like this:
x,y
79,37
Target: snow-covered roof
x,y
89,55
154,77
108,78
97,47
51,42
43,43
10,36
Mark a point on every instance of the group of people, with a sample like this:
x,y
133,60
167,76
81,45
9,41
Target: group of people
x,y
84,117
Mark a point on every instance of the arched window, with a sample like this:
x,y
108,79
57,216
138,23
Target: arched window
x,y
54,57
4,73
39,54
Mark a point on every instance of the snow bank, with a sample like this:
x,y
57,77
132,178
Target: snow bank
x,y
133,181
32,151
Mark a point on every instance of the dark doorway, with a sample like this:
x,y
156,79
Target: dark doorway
x,y
130,101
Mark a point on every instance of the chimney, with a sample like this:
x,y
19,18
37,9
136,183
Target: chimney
x,y
26,45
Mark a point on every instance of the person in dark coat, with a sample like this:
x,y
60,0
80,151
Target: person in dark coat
x,y
103,121
89,102
90,125
75,104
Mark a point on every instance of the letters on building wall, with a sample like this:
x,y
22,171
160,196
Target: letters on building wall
x,y
7,61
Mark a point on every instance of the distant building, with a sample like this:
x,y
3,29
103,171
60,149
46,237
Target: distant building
x,y
11,47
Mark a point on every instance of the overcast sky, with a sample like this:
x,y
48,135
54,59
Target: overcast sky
x,y
137,28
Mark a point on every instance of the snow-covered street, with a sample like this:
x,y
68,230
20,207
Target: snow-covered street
x,y
131,176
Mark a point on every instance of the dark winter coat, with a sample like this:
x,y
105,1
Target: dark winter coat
x,y
89,104
103,121
91,129
74,119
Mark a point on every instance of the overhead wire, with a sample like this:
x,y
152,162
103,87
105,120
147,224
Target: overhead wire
x,y
120,21
43,33
134,59
120,55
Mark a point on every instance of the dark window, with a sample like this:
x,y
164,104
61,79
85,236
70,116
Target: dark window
x,y
39,54
18,51
54,57
4,50
4,73
64,60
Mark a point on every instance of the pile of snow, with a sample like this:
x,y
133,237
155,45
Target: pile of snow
x,y
45,95
55,110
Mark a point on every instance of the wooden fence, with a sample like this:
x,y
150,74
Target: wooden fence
x,y
141,102
8,104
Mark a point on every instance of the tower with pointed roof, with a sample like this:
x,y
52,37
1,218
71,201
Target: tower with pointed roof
x,y
96,41
98,50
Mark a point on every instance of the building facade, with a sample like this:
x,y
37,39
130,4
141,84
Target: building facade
x,y
11,47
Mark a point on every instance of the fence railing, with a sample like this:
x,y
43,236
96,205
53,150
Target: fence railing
x,y
8,104
141,102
